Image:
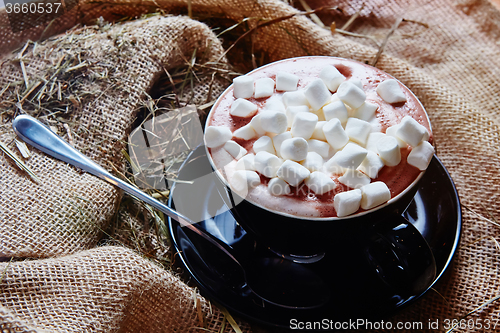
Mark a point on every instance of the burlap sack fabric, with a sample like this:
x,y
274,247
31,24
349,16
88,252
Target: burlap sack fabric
x,y
446,52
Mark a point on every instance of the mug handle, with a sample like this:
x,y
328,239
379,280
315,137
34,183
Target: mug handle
x,y
400,256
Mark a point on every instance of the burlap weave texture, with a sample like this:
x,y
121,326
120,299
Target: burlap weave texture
x,y
446,52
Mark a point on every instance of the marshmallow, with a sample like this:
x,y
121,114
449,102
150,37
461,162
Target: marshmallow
x,y
267,164
243,108
335,134
351,94
292,111
318,146
388,150
371,165
295,98
294,149
374,194
331,77
278,140
235,149
292,172
313,161
319,183
275,103
244,180
350,157
264,87
317,94
264,143
286,81
246,163
278,186
410,131
347,203
358,130
216,136
256,125
392,132
354,178
246,132
391,92
421,155
318,131
366,111
337,110
371,142
273,121
304,124
357,83
242,87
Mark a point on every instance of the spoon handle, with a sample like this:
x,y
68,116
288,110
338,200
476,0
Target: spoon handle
x,y
40,136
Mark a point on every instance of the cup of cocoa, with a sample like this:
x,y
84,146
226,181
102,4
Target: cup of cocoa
x,y
318,151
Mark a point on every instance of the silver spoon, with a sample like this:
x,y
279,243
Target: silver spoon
x,y
40,136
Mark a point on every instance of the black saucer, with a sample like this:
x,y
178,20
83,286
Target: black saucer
x,y
435,212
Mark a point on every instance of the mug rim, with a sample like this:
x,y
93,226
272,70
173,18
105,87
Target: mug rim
x,y
314,218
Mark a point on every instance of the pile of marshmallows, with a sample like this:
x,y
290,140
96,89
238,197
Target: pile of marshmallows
x,y
308,135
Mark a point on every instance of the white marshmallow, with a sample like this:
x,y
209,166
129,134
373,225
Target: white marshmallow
x,y
366,111
335,134
318,146
295,98
358,130
278,140
313,161
357,83
274,103
350,157
317,94
304,124
294,149
243,108
216,136
286,81
256,125
351,94
392,130
331,77
243,87
410,131
354,178
319,183
292,111
267,164
264,87
293,173
371,165
318,131
391,92
278,186
337,110
389,151
245,132
235,149
246,163
371,142
264,143
374,194
421,155
273,121
347,203
244,180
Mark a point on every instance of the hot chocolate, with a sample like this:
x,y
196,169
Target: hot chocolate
x,y
320,126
